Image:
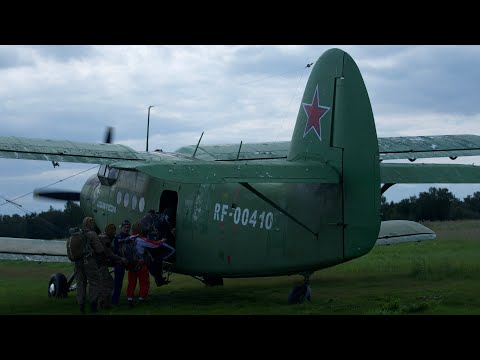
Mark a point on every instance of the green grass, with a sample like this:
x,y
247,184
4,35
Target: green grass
x,y
432,277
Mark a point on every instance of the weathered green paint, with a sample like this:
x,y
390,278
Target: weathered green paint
x,y
355,133
415,147
429,173
194,171
66,151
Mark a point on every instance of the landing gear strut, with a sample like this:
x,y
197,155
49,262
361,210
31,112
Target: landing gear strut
x,y
300,293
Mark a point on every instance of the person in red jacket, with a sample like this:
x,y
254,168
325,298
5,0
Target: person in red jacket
x,y
139,270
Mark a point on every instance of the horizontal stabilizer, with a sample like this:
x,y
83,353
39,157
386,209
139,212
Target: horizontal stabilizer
x,y
194,171
398,231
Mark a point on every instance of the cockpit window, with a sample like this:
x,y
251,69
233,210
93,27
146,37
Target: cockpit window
x,y
107,175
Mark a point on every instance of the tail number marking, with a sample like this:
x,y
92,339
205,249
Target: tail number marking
x,y
243,216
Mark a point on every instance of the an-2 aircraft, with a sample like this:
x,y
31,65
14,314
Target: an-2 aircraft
x,y
262,209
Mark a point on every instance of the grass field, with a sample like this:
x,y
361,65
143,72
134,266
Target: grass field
x,y
431,277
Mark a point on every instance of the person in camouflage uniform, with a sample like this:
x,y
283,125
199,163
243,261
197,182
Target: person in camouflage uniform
x,y
105,260
87,269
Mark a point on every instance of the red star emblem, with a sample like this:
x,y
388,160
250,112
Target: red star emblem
x,y
314,113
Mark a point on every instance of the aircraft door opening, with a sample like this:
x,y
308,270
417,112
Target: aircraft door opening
x,y
168,204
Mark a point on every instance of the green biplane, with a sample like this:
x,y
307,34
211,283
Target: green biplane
x,y
261,209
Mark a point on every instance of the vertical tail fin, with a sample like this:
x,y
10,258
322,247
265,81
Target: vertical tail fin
x,y
335,124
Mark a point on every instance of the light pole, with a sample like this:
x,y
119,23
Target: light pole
x,y
148,123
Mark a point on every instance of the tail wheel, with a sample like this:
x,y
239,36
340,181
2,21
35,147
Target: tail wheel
x,y
57,286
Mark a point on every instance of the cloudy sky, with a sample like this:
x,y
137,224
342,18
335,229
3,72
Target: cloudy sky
x,y
232,93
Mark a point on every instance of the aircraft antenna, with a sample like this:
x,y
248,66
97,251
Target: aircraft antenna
x,y
238,154
293,96
197,145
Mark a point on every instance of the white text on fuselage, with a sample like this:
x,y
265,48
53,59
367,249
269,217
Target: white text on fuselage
x,y
109,207
243,216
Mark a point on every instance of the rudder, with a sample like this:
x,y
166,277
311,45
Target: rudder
x,y
335,125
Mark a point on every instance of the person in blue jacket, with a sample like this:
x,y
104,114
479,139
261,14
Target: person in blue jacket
x,y
119,271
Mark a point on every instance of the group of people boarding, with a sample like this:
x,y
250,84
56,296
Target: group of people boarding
x,y
139,249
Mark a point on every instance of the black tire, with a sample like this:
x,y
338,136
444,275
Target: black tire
x,y
57,286
299,294
212,281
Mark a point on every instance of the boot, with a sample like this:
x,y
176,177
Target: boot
x,y
93,307
82,309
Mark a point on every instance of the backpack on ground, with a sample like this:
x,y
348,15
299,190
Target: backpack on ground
x,y
77,245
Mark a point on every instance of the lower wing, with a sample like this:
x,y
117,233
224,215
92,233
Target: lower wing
x,y
33,250
398,231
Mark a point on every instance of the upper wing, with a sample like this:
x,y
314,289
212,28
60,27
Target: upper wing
x,y
408,147
389,148
247,151
33,250
168,166
429,173
66,151
275,170
414,147
397,231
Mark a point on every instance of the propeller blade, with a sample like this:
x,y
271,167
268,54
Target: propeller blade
x,y
58,195
108,135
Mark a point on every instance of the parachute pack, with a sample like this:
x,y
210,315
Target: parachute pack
x,y
77,245
128,250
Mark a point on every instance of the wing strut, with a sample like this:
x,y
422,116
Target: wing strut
x,y
264,198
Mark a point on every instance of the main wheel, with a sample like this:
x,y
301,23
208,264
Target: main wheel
x,y
57,286
298,294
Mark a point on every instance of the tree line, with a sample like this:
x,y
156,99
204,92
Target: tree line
x,y
51,224
434,205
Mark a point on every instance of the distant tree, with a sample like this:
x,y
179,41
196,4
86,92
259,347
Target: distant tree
x,y
406,208
434,204
472,202
73,214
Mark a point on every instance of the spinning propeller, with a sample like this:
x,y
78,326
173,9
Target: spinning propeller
x,y
70,195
